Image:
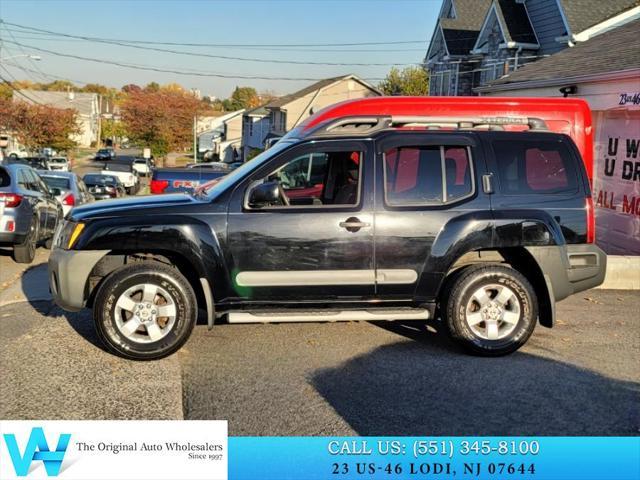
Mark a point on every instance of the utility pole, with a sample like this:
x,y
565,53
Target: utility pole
x,y
195,139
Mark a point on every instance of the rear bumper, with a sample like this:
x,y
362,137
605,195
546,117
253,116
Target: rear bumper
x,y
570,269
9,239
69,272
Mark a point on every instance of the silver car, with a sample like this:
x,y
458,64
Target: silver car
x,y
29,213
68,188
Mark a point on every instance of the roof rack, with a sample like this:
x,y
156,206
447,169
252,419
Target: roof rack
x,y
370,124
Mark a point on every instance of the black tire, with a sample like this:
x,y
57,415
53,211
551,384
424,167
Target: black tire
x,y
25,252
523,306
125,278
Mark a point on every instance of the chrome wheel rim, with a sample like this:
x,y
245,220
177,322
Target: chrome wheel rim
x,y
145,313
493,312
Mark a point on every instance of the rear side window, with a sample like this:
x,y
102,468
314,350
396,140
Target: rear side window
x,y
5,179
427,175
535,167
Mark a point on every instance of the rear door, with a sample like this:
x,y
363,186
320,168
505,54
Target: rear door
x,y
539,171
424,181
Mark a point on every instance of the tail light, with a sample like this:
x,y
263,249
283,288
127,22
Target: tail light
x,y
69,200
110,189
10,200
591,220
158,186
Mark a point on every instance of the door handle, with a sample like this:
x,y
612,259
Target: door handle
x,y
353,224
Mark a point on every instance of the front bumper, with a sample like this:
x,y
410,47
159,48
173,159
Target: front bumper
x,y
69,272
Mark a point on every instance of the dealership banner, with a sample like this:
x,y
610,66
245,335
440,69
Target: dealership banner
x,y
616,186
194,450
114,450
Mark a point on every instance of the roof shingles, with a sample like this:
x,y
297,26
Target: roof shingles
x,y
615,50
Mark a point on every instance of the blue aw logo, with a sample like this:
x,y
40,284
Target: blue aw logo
x,y
37,449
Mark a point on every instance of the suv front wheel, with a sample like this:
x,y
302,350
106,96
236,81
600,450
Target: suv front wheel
x,y
145,311
490,310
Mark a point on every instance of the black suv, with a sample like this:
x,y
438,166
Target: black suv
x,y
357,219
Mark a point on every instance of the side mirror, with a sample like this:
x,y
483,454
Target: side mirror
x,y
55,191
264,195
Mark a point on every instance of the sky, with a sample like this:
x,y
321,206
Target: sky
x,y
282,24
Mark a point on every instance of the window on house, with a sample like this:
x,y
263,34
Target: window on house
x,y
250,126
529,166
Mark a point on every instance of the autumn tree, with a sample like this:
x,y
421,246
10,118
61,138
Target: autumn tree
x,y
161,120
410,81
38,126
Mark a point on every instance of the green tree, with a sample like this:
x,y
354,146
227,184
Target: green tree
x,y
152,87
410,81
242,97
113,129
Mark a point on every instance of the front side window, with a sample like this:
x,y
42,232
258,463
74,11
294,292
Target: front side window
x,y
534,167
317,179
427,175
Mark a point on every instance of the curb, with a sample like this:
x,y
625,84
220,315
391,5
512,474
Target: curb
x,y
623,273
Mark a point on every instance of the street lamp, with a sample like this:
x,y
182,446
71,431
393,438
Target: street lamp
x,y
32,57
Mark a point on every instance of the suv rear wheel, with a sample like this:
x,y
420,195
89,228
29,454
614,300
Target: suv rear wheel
x,y
491,310
145,311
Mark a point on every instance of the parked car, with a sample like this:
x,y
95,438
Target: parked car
x,y
48,152
60,164
104,187
18,153
37,163
68,189
172,180
222,166
142,166
105,154
29,213
479,213
127,174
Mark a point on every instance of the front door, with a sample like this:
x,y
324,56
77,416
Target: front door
x,y
315,241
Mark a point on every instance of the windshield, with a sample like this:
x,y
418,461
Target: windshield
x,y
58,160
215,188
57,182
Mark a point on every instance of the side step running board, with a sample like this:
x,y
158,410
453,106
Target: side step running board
x,y
328,316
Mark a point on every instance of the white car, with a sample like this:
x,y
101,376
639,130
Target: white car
x,y
127,175
60,164
142,166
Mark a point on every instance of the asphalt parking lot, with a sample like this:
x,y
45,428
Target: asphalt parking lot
x,y
581,378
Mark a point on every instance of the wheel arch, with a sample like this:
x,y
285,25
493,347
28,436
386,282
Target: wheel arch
x,y
521,260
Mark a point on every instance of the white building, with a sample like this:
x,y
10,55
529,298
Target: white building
x,y
256,125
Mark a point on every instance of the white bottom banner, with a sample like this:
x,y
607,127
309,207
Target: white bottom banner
x,y
114,450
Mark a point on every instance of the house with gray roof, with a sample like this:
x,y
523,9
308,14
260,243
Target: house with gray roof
x,y
507,34
86,104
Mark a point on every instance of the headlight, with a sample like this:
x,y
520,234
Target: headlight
x,y
67,235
